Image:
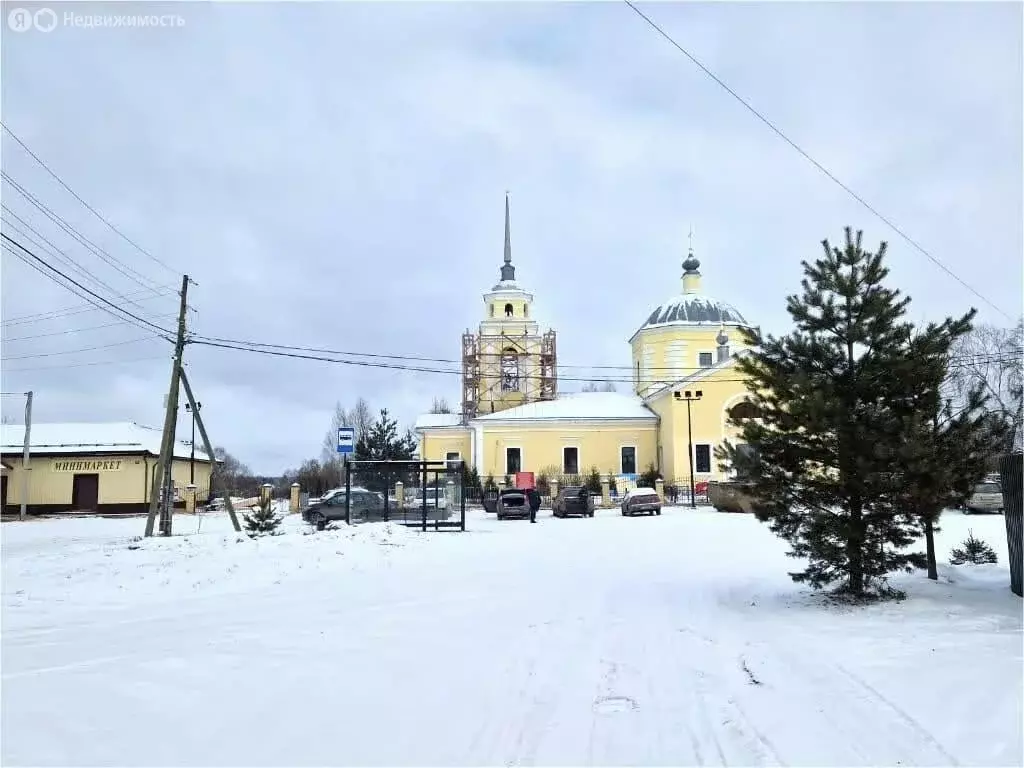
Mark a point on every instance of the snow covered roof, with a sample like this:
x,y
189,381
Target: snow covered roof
x,y
85,438
580,405
694,309
434,420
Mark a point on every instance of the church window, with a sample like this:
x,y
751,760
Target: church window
x,y
454,460
570,460
627,462
513,460
702,457
492,310
509,371
705,359
526,310
743,410
509,310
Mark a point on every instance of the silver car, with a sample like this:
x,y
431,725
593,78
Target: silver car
x,y
987,497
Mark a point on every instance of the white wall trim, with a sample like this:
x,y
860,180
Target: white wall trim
x,y
477,446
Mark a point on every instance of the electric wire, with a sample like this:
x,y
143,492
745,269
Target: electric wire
x,y
77,351
892,225
78,197
124,269
166,333
56,253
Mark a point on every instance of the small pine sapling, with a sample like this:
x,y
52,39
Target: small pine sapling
x,y
262,520
973,551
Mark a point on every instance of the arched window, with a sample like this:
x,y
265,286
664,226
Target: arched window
x,y
508,310
509,370
491,307
743,410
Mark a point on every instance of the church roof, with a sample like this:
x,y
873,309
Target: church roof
x,y
580,405
694,309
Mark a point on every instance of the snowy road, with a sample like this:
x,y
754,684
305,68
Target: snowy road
x,y
675,640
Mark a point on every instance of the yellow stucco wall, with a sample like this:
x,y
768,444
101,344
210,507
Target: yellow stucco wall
x,y
665,355
122,479
599,445
720,391
436,444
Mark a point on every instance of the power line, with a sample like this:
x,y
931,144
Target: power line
x,y
66,331
236,343
21,247
120,266
79,309
60,255
81,365
643,379
95,213
934,259
83,349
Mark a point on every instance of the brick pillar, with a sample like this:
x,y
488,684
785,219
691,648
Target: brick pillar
x,y
190,499
293,501
449,497
553,487
399,494
659,486
265,490
606,490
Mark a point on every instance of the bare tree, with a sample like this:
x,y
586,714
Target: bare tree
x,y
992,358
440,405
358,417
598,386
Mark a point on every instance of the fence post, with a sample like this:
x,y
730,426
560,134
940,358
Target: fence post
x,y
449,500
190,499
265,490
659,486
399,495
293,501
1010,471
606,490
553,488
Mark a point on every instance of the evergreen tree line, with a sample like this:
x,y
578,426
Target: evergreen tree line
x,y
867,425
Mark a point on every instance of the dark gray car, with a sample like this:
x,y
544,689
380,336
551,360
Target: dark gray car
x,y
364,505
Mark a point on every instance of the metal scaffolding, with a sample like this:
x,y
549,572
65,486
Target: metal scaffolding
x,y
483,374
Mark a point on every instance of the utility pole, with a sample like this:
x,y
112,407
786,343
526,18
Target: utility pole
x,y
207,446
25,457
162,471
689,397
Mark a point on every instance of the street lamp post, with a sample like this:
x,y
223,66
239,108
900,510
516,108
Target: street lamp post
x,y
192,457
689,397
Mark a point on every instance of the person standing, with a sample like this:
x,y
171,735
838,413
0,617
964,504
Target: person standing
x,y
533,496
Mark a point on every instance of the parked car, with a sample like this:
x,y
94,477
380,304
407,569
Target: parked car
x,y
512,502
641,501
573,500
987,497
363,505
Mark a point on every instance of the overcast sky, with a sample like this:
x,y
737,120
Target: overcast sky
x,y
333,175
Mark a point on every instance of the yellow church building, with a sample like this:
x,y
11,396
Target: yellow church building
x,y
684,387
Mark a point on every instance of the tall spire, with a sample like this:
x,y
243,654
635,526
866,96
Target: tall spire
x,y
508,272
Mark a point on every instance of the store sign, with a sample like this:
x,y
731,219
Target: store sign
x,y
88,465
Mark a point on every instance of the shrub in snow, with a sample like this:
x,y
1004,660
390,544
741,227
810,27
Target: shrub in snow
x,y
973,551
262,519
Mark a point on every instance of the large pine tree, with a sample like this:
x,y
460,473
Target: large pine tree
x,y
837,399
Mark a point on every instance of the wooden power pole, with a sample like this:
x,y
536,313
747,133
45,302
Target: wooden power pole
x,y
207,446
162,471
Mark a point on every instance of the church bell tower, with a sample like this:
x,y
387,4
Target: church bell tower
x,y
508,362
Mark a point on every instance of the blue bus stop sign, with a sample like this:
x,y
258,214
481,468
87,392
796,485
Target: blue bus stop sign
x,y
346,440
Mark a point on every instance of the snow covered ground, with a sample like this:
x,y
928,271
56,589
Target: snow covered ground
x,y
672,640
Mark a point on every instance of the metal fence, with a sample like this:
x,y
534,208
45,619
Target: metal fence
x,y
432,495
1010,476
